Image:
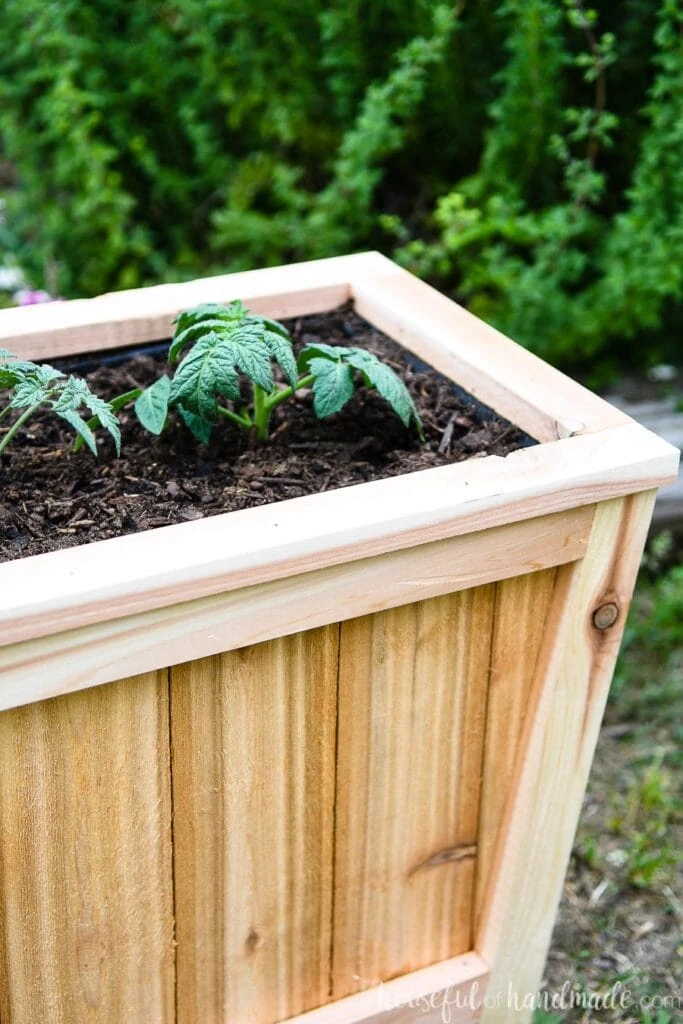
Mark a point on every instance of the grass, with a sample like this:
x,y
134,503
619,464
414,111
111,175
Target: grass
x,y
618,933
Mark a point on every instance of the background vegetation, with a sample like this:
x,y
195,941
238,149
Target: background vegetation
x,y
524,155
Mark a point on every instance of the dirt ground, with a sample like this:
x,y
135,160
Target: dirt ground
x,y
619,929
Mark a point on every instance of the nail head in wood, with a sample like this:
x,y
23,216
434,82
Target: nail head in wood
x,y
606,615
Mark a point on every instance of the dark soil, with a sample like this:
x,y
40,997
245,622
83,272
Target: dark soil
x,y
51,498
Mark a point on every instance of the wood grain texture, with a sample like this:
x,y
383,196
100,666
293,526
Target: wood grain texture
x,y
138,315
568,698
253,738
42,668
412,697
71,588
452,992
503,375
522,606
86,909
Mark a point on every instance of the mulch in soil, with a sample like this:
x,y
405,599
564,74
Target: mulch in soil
x,y
51,498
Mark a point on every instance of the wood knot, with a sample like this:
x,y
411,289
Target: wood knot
x,y
254,941
605,615
447,856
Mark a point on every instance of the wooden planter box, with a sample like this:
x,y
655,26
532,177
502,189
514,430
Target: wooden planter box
x,y
336,770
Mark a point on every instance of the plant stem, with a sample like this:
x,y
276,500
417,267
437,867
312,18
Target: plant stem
x,y
264,404
17,425
279,396
261,413
241,421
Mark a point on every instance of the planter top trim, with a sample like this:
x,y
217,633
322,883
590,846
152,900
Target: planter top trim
x,y
592,452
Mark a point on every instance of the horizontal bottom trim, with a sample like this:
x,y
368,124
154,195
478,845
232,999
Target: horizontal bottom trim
x,y
451,991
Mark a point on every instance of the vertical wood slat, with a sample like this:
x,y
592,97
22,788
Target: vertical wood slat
x,y
86,915
253,748
412,698
567,702
522,608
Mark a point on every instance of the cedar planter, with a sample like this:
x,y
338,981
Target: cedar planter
x,y
341,752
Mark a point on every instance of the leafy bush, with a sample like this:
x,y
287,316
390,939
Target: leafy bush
x,y
648,682
523,155
550,254
160,140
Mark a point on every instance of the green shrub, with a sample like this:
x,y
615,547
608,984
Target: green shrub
x,y
556,256
157,141
523,155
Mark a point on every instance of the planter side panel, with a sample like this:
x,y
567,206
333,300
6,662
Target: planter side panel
x,y
412,703
432,702
522,608
253,747
585,626
86,909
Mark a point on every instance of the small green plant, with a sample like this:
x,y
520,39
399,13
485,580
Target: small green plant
x,y
228,342
644,818
32,387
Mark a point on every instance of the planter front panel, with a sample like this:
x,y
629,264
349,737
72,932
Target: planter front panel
x,y
253,753
336,796
86,894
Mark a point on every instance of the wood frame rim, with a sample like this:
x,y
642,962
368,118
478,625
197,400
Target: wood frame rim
x,y
606,456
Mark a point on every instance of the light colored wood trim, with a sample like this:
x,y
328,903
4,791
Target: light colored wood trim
x,y
412,701
522,607
574,672
86,893
451,992
133,317
75,587
35,669
253,754
500,373
510,379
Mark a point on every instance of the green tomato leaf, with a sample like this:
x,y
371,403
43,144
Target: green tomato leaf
x,y
280,348
74,392
193,332
28,392
390,386
20,369
206,372
310,352
332,386
200,427
275,327
115,404
151,407
249,352
209,311
98,407
241,339
80,426
47,374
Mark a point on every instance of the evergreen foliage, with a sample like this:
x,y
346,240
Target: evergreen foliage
x,y
523,155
